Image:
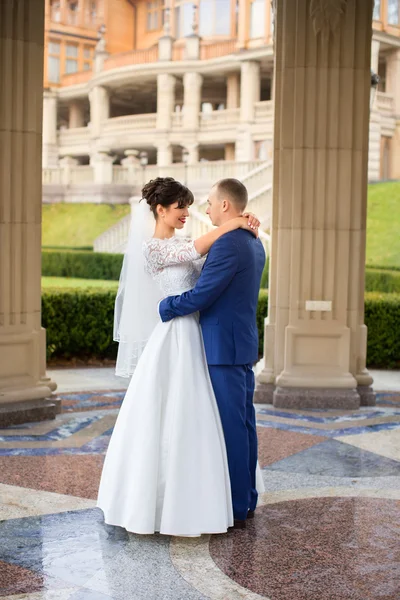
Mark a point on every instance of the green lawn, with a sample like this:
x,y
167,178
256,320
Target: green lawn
x,y
78,225
69,283
383,225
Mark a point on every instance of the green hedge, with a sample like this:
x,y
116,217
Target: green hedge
x,y
81,265
80,323
379,279
382,280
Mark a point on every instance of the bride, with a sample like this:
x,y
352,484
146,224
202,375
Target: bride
x,y
166,467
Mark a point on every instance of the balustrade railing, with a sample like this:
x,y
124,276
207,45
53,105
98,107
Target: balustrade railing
x,y
217,118
130,122
385,102
133,57
264,111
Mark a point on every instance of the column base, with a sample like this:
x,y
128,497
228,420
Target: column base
x,y
29,412
28,405
325,398
264,393
367,395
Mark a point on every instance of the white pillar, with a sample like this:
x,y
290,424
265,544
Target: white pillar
x,y
164,154
193,150
24,388
99,109
165,100
249,94
66,164
192,100
250,90
76,116
49,149
375,46
393,88
233,90
102,164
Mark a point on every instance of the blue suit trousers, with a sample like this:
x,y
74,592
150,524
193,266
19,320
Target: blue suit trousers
x,y
234,389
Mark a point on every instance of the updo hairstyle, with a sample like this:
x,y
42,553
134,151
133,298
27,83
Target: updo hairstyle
x,y
166,191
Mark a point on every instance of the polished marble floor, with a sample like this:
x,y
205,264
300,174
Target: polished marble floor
x,y
327,527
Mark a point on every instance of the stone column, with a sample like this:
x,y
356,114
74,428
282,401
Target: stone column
x,y
249,94
233,90
165,101
192,100
99,109
24,389
249,90
230,151
164,154
49,149
193,150
393,88
315,338
76,116
102,163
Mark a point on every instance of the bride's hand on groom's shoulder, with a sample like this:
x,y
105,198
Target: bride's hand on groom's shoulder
x,y
250,223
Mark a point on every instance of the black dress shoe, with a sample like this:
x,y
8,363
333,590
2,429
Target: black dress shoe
x,y
238,524
250,514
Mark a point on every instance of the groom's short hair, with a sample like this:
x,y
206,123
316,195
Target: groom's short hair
x,y
233,190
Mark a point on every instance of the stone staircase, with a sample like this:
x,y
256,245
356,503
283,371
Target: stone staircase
x,y
259,185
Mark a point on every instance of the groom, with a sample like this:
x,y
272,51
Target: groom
x,y
226,295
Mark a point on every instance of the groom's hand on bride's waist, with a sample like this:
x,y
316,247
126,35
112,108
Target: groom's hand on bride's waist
x,y
165,313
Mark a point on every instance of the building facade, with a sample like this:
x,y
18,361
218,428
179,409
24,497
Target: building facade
x,y
180,79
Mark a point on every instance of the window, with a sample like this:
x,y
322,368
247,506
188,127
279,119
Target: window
x,y
394,12
184,17
215,17
155,15
93,12
377,10
71,58
257,19
55,11
87,58
53,62
72,12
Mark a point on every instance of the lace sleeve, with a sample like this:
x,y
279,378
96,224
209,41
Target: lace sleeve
x,y
164,253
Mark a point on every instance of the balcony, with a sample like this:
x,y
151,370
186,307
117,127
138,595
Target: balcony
x,y
216,126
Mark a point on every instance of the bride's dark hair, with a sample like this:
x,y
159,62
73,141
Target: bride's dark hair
x,y
166,191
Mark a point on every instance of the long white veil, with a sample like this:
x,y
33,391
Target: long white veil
x,y
136,304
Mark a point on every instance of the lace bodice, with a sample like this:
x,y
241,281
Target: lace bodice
x,y
174,263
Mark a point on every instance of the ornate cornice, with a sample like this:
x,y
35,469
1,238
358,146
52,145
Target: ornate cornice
x,y
326,15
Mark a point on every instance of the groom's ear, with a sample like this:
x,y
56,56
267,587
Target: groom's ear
x,y
225,205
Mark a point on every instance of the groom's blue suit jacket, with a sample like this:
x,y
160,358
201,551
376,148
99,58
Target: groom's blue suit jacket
x,y
226,295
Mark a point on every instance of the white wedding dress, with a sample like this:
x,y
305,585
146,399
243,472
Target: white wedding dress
x,y
166,468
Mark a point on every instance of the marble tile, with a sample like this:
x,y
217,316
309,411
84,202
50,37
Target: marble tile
x,y
338,460
70,547
336,548
275,444
384,443
191,558
71,475
85,594
17,502
330,429
44,595
147,557
17,580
